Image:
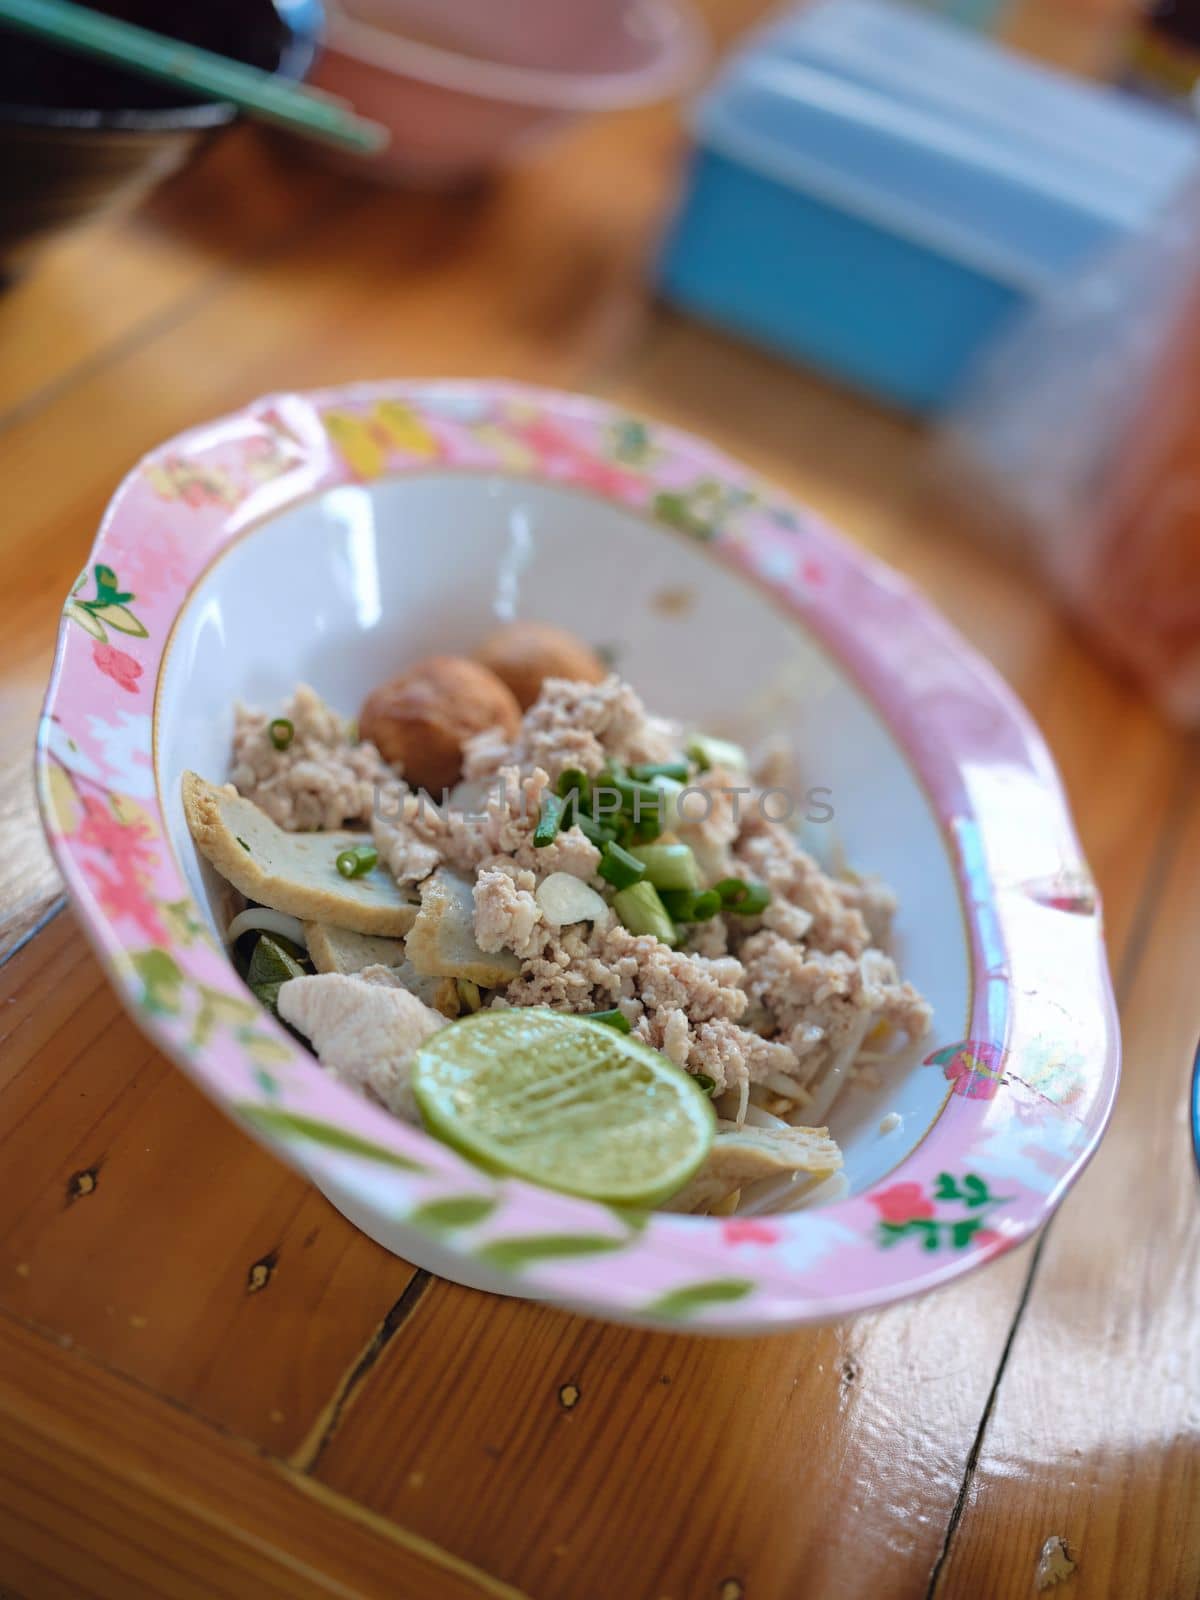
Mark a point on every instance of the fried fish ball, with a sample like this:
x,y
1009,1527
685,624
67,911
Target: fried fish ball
x,y
524,654
423,718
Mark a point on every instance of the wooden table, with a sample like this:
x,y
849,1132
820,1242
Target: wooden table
x,y
210,1385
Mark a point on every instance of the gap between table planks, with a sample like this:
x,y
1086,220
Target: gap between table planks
x,y
108,1491
1094,1437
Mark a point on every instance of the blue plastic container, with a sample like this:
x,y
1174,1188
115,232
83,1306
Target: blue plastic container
x,y
878,193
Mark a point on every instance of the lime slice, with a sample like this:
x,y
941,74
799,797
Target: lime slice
x,y
564,1102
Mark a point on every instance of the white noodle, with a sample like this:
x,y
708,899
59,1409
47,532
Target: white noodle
x,y
786,1088
743,1100
793,1191
763,1195
826,1091
758,1118
725,1104
268,921
778,1105
835,1187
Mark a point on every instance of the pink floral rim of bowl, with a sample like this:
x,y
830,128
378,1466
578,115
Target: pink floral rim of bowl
x,y
1031,1085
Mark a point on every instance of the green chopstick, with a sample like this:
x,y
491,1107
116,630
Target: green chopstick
x,y
153,55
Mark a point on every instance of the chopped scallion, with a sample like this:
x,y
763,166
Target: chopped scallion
x,y
620,868
668,866
647,771
685,905
615,1018
571,781
703,1081
642,911
357,861
647,829
597,832
282,732
549,821
637,799
706,752
639,806
744,899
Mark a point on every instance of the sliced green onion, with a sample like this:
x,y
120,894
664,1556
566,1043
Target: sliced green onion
x,y
708,752
605,804
669,813
687,906
668,866
615,1018
624,831
549,821
575,790
642,806
597,832
619,867
703,1081
636,798
357,861
746,899
640,803
641,910
647,771
282,732
571,781
243,844
647,829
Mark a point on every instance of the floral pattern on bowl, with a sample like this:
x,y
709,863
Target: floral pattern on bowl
x,y
1029,1087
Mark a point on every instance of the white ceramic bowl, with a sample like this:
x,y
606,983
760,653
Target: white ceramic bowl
x,y
332,539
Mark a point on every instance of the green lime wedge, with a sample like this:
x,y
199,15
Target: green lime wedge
x,y
564,1102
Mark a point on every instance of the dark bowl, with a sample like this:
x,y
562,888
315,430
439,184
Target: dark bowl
x,y
78,137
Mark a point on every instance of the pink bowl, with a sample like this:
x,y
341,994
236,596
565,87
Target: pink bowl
x,y
464,84
385,513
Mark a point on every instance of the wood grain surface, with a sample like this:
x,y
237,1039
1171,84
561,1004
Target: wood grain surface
x,y
1097,1416
210,1385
